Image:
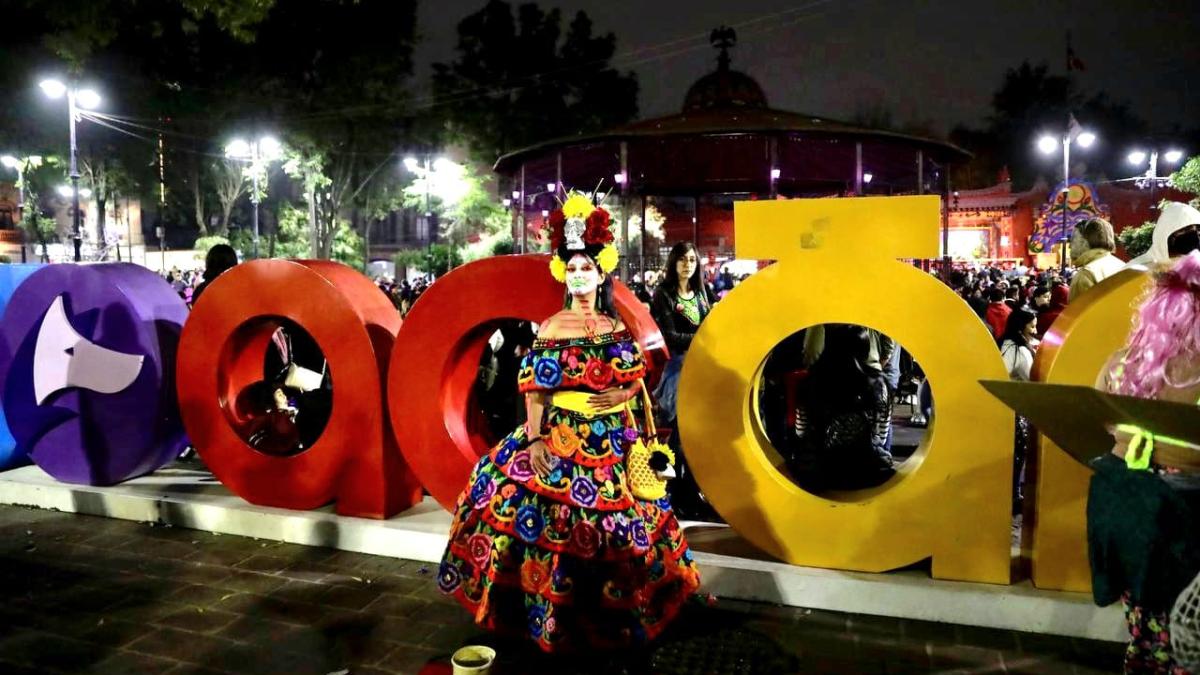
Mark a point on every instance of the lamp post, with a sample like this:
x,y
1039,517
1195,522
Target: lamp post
x,y
258,153
76,99
16,165
1048,144
1151,177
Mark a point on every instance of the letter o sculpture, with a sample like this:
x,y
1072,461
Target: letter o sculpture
x,y
436,359
99,342
966,459
354,461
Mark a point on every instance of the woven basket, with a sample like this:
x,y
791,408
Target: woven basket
x,y
1185,627
644,481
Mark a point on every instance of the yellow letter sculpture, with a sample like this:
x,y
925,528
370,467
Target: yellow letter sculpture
x,y
1074,350
838,264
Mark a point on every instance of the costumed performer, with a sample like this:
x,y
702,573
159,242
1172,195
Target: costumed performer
x,y
1144,499
549,540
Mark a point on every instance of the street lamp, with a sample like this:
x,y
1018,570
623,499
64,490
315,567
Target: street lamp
x,y
1151,178
76,99
1048,144
258,153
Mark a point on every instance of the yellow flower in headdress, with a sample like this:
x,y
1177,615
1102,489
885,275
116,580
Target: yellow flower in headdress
x,y
558,269
577,206
608,259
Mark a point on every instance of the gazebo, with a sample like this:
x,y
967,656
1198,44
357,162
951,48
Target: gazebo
x,y
676,178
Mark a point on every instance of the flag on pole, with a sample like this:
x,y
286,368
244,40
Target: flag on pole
x,y
1073,128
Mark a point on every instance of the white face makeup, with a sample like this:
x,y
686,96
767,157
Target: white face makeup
x,y
583,275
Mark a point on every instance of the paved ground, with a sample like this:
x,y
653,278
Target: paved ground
x,y
94,595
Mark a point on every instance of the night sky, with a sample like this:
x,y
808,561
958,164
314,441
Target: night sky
x,y
926,60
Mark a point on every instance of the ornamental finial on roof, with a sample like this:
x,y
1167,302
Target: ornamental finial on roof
x,y
723,38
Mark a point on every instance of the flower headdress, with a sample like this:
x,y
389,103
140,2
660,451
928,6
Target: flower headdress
x,y
579,226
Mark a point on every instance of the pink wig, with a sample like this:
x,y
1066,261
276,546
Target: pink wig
x,y
1166,334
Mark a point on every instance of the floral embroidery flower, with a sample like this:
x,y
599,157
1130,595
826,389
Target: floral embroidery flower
x,y
448,578
607,523
616,441
583,491
537,615
508,490
621,532
603,473
535,576
551,625
563,441
598,428
506,451
529,523
547,373
585,539
482,491
521,469
598,374
631,434
640,538
480,548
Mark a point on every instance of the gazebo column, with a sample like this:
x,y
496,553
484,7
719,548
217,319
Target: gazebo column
x,y
624,187
521,241
858,169
920,172
696,223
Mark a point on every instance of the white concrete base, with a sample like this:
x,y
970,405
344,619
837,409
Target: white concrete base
x,y
729,567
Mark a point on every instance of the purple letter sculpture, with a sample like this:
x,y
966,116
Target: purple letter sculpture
x,y
90,387
11,276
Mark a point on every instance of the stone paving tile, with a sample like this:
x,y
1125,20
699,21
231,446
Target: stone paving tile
x,y
106,596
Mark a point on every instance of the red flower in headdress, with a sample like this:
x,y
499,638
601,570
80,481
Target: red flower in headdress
x,y
557,225
597,232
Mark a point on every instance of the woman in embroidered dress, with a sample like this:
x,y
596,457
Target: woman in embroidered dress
x,y
548,542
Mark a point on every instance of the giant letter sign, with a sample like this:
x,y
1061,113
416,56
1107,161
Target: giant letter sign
x,y
838,264
355,460
11,276
90,389
436,360
1076,347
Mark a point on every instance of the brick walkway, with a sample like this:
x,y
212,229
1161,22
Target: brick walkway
x,y
95,595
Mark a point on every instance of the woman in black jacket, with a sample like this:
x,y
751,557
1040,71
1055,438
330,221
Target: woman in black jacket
x,y
679,306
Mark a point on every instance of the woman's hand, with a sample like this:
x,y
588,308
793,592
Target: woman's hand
x,y
541,459
609,398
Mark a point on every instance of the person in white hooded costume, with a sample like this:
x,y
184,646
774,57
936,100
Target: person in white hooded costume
x,y
1175,217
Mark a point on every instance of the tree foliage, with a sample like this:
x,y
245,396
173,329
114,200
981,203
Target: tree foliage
x,y
1137,240
1031,102
517,80
1187,178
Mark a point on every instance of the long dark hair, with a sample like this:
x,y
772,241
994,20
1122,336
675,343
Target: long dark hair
x,y
670,280
1015,325
220,258
604,292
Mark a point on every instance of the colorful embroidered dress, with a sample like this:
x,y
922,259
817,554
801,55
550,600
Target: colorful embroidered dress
x,y
573,559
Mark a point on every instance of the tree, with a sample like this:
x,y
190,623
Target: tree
x,y
1187,179
464,207
229,183
518,80
1137,240
1030,102
107,178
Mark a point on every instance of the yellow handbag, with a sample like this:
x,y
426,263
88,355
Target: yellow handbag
x,y
645,481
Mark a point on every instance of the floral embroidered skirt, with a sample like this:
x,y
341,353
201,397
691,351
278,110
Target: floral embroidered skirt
x,y
571,560
1149,649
